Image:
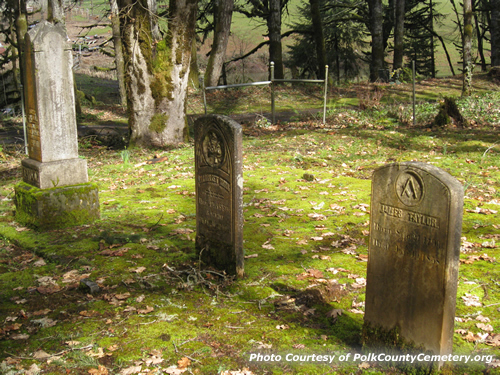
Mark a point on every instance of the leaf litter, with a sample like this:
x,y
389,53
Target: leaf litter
x,y
337,261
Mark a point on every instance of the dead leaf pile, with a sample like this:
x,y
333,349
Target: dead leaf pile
x,y
471,300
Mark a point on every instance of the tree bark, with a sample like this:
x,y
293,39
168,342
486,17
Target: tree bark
x,y
21,30
171,84
319,38
137,54
55,11
153,19
495,32
223,17
433,54
194,72
157,73
399,34
275,48
467,48
376,26
117,41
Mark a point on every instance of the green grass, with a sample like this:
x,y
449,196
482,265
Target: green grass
x,y
219,324
158,305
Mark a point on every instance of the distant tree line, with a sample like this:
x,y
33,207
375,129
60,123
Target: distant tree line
x,y
155,46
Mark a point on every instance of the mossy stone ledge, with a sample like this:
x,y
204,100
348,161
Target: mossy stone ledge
x,y
57,207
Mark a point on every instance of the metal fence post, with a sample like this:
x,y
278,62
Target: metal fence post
x,y
272,92
413,73
326,92
204,94
24,121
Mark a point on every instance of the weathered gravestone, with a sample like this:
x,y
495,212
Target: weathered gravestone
x,y
219,186
55,191
415,227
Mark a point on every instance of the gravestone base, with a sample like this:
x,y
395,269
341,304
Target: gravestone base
x,y
56,207
218,254
46,175
390,343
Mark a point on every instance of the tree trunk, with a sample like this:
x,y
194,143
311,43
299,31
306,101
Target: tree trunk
x,y
376,26
21,30
155,29
495,32
171,85
274,27
157,74
194,72
467,48
117,41
319,38
137,55
431,25
55,11
479,34
223,17
399,34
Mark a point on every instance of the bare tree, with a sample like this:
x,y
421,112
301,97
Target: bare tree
x,y
270,11
399,34
467,48
319,39
222,17
495,32
376,29
117,42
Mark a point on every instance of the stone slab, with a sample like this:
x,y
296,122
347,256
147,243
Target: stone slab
x,y
56,207
54,174
219,187
49,94
415,228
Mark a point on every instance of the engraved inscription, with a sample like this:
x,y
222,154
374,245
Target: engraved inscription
x,y
410,216
219,213
418,246
34,146
214,188
31,176
214,179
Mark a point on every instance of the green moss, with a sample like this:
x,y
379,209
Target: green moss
x,y
158,122
56,207
221,322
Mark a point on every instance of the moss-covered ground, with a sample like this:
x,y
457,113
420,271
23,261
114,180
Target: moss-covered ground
x,y
306,208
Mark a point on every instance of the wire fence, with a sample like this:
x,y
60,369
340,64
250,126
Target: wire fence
x,y
272,84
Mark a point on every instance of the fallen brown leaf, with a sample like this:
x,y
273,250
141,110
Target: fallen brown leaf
x,y
101,370
183,362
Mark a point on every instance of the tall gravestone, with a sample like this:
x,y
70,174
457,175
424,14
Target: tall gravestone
x,y
415,227
55,191
219,187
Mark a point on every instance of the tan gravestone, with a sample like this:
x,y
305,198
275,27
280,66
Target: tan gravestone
x,y
415,227
219,186
50,103
55,191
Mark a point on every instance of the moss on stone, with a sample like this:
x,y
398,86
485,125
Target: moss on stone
x,y
56,207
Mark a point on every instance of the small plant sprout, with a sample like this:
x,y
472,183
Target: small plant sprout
x,y
125,155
